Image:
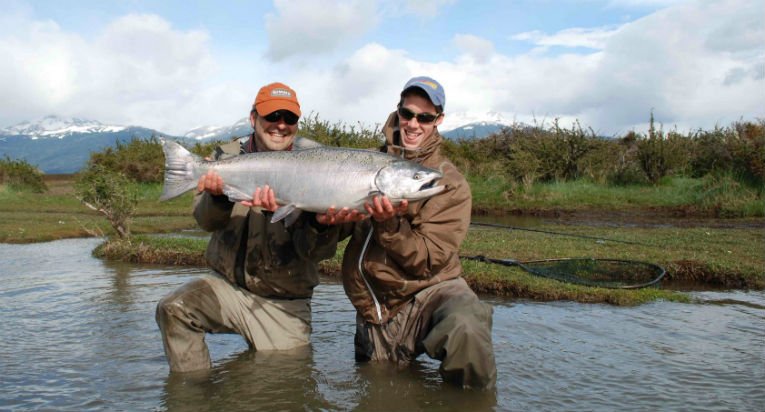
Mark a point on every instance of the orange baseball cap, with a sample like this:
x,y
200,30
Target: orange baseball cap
x,y
276,96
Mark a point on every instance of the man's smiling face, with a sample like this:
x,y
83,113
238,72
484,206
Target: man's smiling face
x,y
412,131
273,136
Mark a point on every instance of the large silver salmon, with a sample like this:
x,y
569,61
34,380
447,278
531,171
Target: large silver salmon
x,y
313,179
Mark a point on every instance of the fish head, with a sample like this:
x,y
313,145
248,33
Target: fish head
x,y
404,180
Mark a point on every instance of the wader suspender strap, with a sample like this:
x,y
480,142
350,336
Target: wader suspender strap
x,y
241,254
364,278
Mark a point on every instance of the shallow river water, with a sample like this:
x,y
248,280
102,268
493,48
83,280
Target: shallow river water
x,y
78,333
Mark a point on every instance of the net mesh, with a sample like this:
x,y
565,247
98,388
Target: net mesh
x,y
606,273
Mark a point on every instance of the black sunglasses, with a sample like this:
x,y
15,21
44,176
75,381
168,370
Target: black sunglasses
x,y
424,118
286,115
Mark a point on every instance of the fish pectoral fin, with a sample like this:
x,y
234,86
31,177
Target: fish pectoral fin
x,y
288,212
374,193
235,195
292,217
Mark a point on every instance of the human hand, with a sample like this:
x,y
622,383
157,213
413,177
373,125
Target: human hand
x,y
210,183
343,216
382,209
264,198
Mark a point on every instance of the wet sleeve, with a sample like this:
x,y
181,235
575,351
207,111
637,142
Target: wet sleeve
x,y
313,241
212,212
423,248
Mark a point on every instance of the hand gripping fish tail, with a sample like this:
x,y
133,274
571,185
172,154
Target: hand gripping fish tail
x,y
180,173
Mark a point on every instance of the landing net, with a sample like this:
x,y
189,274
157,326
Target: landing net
x,y
605,273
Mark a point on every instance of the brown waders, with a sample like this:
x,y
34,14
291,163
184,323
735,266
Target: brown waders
x,y
448,322
210,304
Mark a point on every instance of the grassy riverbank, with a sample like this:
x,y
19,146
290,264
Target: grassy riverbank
x,y
702,256
714,197
36,217
693,257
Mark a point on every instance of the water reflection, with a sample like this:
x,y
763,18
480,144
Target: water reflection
x,y
79,334
284,380
415,387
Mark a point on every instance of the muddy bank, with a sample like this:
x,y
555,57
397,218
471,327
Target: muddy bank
x,y
680,217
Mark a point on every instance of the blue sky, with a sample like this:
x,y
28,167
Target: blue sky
x,y
175,65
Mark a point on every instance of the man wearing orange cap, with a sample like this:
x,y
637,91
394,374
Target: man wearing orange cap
x,y
263,273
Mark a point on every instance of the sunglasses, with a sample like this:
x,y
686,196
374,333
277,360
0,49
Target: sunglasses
x,y
279,115
424,118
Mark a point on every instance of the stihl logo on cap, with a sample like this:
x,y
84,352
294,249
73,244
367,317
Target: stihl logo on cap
x,y
431,84
281,93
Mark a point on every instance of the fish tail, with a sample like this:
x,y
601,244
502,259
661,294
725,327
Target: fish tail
x,y
180,171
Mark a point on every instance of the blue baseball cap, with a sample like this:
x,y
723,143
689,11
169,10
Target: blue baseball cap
x,y
433,88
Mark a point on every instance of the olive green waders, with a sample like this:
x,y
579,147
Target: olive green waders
x,y
210,304
448,322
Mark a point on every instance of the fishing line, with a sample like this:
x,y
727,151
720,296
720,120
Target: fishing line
x,y
560,233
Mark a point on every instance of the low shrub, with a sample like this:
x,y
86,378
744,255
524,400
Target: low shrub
x,y
21,176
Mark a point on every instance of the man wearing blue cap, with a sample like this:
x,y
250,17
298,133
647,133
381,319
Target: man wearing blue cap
x,y
401,269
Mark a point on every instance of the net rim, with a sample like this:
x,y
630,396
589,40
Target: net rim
x,y
511,262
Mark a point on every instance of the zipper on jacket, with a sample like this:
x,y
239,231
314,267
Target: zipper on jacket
x,y
364,278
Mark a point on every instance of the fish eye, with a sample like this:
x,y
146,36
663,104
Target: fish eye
x,y
417,177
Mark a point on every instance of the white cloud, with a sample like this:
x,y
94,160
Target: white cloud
x,y
310,27
361,89
426,7
478,48
138,69
593,38
695,64
37,70
139,57
677,61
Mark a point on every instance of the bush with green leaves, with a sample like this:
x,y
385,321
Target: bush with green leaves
x,y
140,159
738,149
747,146
339,134
531,153
659,154
109,192
21,176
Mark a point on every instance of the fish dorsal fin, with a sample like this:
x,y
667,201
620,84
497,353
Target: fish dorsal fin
x,y
288,212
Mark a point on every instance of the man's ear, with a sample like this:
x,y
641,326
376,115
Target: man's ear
x,y
253,115
439,119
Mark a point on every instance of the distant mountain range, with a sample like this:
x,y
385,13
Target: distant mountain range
x,y
63,145
240,128
59,145
474,130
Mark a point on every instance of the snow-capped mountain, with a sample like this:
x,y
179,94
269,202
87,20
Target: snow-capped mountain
x,y
465,126
63,145
474,130
239,129
57,127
